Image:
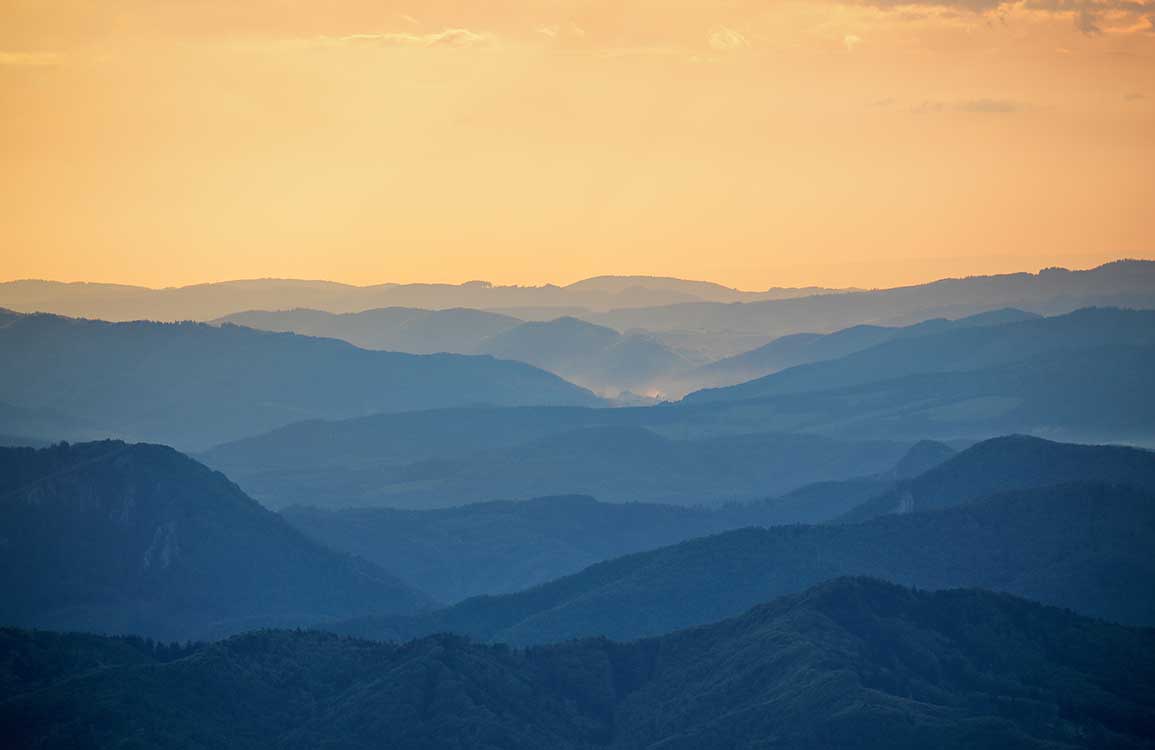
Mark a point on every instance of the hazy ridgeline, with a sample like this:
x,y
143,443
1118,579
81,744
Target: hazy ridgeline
x,y
1079,377
428,468
639,335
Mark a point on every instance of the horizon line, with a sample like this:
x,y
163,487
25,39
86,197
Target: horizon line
x,y
546,285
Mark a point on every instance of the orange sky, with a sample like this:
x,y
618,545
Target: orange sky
x,y
753,143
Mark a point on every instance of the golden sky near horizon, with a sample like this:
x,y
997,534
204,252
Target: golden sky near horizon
x,y
749,142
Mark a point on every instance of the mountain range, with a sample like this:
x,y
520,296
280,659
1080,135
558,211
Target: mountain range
x,y
119,302
1086,547
853,663
501,547
698,320
1080,377
469,517
1053,291
109,536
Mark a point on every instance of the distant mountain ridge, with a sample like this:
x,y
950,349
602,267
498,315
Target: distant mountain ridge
x,y
1083,377
1054,291
854,663
699,320
112,537
194,385
119,302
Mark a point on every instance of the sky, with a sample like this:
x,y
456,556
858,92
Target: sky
x,y
755,143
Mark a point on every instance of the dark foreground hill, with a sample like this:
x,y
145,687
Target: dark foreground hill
x,y
111,537
854,663
1082,546
194,385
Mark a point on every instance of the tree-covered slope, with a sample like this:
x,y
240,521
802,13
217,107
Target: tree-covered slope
x,y
854,663
111,537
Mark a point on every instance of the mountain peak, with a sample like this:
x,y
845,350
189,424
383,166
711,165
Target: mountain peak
x,y
112,536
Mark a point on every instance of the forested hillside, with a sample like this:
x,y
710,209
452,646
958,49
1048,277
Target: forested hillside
x,y
851,664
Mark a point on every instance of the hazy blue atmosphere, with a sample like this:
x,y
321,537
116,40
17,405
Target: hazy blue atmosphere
x,y
628,513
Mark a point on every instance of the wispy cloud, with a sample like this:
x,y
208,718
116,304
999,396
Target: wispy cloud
x,y
977,6
457,38
1086,21
725,39
975,106
989,106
